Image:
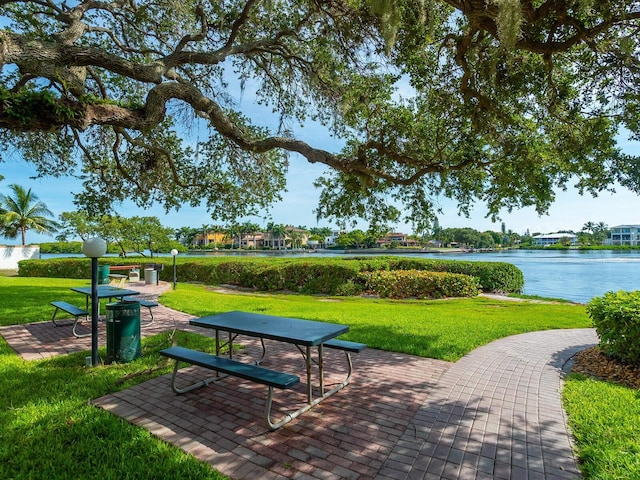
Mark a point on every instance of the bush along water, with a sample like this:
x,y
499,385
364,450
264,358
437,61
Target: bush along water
x,y
419,278
616,318
419,284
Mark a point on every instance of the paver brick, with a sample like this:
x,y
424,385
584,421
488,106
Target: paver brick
x,y
496,413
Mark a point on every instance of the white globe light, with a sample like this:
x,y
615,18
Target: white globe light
x,y
94,247
174,252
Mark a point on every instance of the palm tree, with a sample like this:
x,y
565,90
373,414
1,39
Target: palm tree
x,y
601,232
279,233
205,234
249,228
234,231
216,230
23,211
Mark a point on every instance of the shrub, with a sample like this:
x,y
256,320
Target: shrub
x,y
419,284
80,267
302,276
57,268
493,276
329,276
61,247
616,317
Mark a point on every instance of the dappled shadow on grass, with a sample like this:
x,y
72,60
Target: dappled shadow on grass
x,y
50,429
31,303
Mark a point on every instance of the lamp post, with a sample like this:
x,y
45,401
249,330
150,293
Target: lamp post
x,y
94,248
174,252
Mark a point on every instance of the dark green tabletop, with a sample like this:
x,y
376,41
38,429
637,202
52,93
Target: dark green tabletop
x,y
106,291
284,329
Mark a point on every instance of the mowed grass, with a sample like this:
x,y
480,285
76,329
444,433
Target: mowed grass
x,y
49,429
26,299
605,420
442,329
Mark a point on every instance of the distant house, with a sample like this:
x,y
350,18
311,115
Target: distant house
x,y
253,240
211,238
401,239
330,241
624,235
548,239
293,237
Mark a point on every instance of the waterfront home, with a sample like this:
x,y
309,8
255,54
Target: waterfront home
x,y
548,239
624,235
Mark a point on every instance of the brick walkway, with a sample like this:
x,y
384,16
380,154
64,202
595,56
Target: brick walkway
x,y
39,340
496,413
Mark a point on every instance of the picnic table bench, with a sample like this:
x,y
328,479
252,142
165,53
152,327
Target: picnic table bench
x,y
133,271
117,280
150,304
71,310
348,348
271,378
123,267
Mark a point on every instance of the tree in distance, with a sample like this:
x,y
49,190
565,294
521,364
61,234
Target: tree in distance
x,y
23,211
501,101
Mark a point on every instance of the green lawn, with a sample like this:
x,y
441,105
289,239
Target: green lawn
x,y
443,329
48,429
47,426
605,420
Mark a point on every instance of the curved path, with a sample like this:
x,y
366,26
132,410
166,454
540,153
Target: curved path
x,y
494,414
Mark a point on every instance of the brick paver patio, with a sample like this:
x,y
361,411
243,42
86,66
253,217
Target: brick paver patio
x,y
496,413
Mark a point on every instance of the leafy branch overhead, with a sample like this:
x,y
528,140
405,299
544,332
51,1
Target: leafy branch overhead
x,y
500,101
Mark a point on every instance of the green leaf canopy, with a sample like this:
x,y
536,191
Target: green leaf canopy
x,y
498,101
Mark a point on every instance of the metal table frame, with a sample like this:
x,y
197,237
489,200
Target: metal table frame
x,y
304,334
105,291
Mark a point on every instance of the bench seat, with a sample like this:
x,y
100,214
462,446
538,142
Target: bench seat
x,y
71,310
345,345
253,373
123,267
150,304
348,348
117,280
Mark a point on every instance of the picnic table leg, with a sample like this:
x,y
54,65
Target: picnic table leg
x,y
193,386
321,369
264,352
307,359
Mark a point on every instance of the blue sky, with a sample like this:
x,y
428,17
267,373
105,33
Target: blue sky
x,y
569,212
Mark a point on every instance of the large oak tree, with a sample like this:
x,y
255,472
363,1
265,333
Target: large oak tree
x,y
502,101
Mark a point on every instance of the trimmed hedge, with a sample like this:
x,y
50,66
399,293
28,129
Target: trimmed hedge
x,y
419,284
616,317
56,268
493,276
328,276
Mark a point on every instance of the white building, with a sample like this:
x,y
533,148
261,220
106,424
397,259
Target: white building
x,y
330,241
552,238
624,235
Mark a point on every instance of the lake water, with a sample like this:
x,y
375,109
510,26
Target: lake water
x,y
569,274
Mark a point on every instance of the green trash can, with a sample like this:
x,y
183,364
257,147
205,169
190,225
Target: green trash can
x,y
123,331
103,274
